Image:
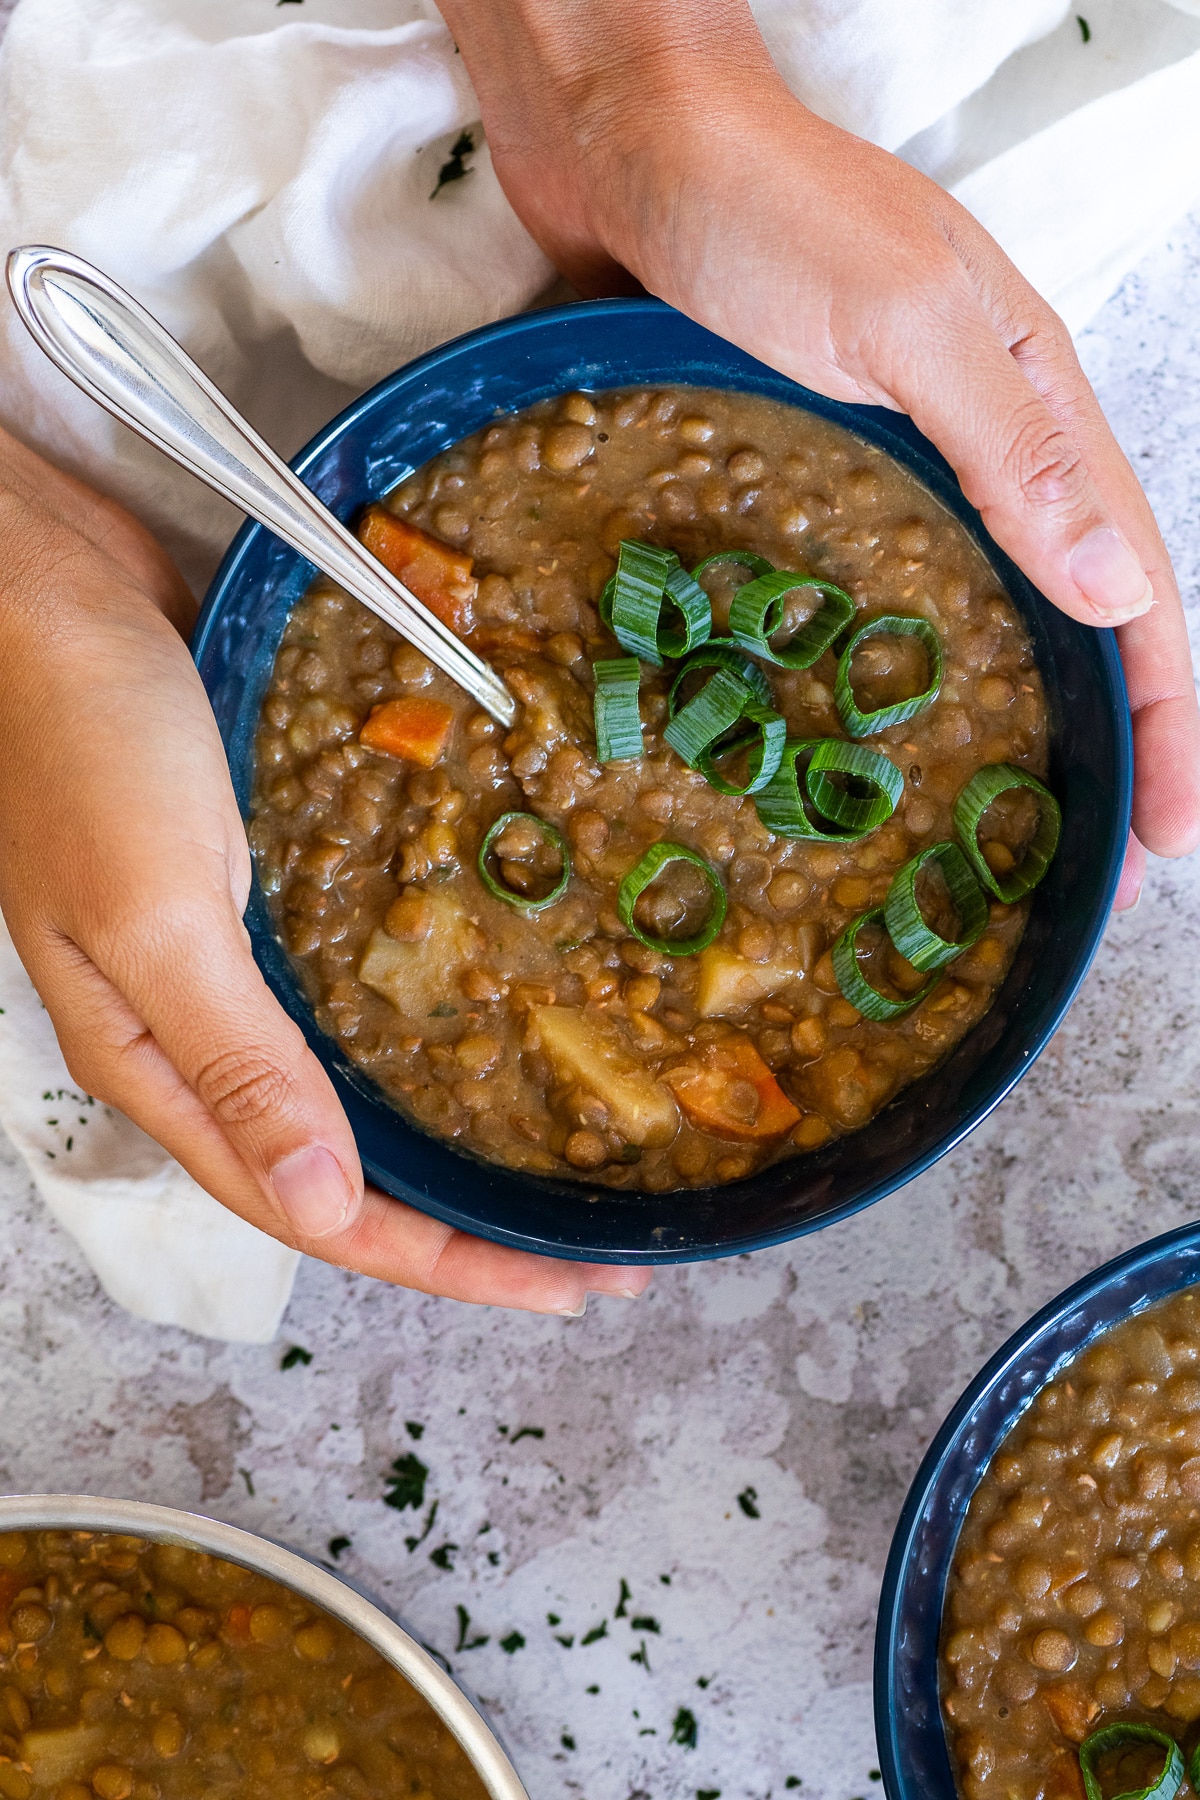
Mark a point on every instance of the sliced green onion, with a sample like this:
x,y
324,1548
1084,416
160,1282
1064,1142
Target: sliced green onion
x,y
764,744
1116,1737
913,938
756,612
744,559
520,901
857,812
984,787
708,715
694,607
854,985
862,724
618,722
782,804
632,602
720,653
656,859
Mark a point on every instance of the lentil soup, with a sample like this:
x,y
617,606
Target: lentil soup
x,y
545,1007
1073,1604
139,1671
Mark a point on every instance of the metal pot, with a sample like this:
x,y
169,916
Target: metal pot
x,y
165,1525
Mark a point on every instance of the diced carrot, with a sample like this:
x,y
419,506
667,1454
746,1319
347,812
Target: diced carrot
x,y
412,727
708,1092
1067,1704
438,576
236,1628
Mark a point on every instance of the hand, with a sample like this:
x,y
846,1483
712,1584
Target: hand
x,y
659,143
123,875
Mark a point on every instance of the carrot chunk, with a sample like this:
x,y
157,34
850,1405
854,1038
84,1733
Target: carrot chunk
x,y
440,577
732,1093
236,1628
412,727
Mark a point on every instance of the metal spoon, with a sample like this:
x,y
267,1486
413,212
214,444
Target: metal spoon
x,y
115,351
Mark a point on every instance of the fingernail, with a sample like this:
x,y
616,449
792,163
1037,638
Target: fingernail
x,y
573,1312
1134,903
312,1189
629,1293
1110,574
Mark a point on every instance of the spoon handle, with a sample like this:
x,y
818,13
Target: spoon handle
x,y
115,351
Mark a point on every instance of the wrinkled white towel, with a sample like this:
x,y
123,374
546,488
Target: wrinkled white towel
x,y
261,177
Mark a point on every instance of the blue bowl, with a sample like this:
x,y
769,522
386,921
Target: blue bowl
x,y
914,1757
455,391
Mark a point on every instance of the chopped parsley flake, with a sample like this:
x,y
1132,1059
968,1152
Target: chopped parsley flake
x,y
623,1602
455,166
683,1731
464,1626
596,1633
413,1542
747,1500
533,1431
512,1643
413,1429
405,1484
245,1475
295,1355
337,1545
567,1741
443,1558
644,1624
1085,30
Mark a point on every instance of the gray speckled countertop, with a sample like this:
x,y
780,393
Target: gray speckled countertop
x,y
568,1457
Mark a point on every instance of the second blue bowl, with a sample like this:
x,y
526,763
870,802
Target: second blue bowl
x,y
914,1757
455,391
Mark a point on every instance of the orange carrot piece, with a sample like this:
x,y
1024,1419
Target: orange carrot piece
x,y
413,727
438,576
704,1093
236,1629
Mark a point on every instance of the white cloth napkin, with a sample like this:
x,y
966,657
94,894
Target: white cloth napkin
x,y
261,177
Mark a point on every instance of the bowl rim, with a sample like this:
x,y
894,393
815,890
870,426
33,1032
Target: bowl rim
x,y
886,428
943,1454
292,1569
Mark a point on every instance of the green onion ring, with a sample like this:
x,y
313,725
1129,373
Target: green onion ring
x,y
854,812
552,836
694,607
615,703
863,724
854,985
764,741
782,803
1113,1737
720,653
708,715
984,787
644,872
744,559
906,925
756,611
632,600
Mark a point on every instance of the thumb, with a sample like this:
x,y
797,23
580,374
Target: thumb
x,y
172,1021
1021,467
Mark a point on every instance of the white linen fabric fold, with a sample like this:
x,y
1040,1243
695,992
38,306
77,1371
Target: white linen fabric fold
x,y
263,178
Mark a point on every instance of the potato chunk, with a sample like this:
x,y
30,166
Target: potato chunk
x,y
413,972
590,1050
730,983
55,1756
